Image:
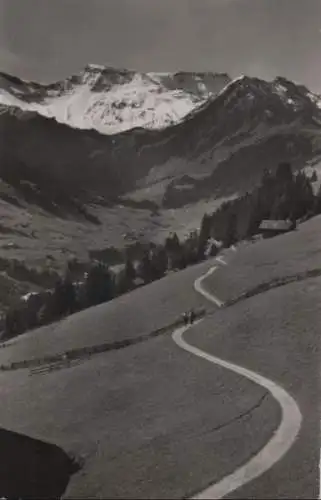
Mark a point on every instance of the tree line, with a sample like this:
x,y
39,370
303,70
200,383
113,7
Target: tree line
x,y
282,195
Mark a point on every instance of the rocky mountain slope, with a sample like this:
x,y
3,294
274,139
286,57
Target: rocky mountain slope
x,y
219,149
112,101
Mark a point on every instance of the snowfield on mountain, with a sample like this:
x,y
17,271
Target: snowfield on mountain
x,y
112,101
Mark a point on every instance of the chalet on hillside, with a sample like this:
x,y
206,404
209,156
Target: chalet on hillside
x,y
269,228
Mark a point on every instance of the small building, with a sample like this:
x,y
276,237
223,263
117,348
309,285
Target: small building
x,y
269,228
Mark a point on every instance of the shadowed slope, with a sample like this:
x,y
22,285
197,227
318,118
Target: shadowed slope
x,y
31,468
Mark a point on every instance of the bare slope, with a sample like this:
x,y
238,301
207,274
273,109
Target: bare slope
x,y
168,420
129,316
269,260
174,422
96,410
277,335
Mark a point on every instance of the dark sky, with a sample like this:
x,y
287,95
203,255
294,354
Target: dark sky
x,y
49,39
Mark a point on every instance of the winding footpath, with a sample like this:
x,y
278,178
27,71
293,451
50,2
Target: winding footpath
x,y
284,436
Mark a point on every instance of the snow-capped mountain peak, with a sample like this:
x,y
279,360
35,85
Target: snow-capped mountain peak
x,y
114,100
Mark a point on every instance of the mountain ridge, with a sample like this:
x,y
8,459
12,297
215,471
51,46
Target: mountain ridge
x,y
113,100
250,125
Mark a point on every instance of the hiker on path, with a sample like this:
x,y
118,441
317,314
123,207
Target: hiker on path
x,y
192,316
185,318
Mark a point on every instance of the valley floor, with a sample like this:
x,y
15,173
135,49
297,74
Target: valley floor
x,y
43,241
41,238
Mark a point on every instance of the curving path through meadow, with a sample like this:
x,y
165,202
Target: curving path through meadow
x,y
281,440
180,424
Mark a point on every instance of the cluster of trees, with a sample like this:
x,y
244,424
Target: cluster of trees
x,y
282,195
64,299
100,284
18,270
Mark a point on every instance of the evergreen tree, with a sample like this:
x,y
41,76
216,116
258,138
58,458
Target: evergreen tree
x,y
99,285
126,277
172,243
129,273
12,322
245,217
284,173
191,249
255,215
303,197
267,179
63,300
145,269
58,300
70,295
174,251
204,235
159,262
231,230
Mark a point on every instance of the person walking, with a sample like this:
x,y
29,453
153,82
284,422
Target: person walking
x,y
185,318
191,316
